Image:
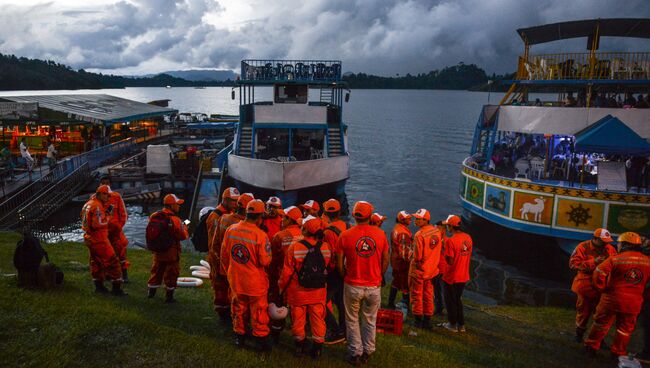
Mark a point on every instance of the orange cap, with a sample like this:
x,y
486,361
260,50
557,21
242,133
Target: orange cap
x,y
604,235
243,199
293,213
274,201
312,224
255,206
331,205
230,193
172,199
452,220
311,204
104,189
630,237
403,215
377,218
422,214
362,210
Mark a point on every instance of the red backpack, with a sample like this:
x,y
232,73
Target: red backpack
x,y
159,232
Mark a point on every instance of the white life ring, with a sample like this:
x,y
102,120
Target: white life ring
x,y
205,264
189,282
203,275
199,268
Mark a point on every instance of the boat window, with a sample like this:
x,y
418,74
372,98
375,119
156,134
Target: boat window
x,y
291,93
271,143
307,144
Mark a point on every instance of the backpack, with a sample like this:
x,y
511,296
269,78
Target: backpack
x,y
200,236
28,254
313,274
159,235
336,230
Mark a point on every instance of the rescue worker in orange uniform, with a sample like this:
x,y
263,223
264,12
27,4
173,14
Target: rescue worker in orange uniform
x,y
622,279
228,204
245,254
400,254
423,268
304,301
438,284
290,233
585,258
104,263
377,220
310,208
166,265
332,229
222,297
457,257
272,222
115,225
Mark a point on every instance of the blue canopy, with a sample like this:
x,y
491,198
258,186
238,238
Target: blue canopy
x,y
610,135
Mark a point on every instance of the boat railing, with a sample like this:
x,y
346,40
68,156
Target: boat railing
x,y
311,71
222,157
576,66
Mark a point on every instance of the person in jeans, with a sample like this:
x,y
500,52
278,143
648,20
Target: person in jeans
x,y
362,261
458,252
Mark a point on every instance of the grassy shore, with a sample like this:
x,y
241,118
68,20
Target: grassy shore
x,y
73,327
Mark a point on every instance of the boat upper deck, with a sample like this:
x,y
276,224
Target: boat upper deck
x,y
313,72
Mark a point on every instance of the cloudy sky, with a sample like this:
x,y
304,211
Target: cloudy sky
x,y
383,37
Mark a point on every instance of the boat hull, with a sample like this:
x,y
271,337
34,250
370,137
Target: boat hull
x,y
569,214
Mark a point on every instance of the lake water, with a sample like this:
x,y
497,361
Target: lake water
x,y
406,149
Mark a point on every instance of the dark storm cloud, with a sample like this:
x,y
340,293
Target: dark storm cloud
x,y
380,36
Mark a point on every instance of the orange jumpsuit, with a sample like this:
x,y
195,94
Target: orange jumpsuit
x,y
245,253
212,224
424,267
279,245
584,260
218,277
303,300
115,225
400,241
104,263
165,265
622,278
272,225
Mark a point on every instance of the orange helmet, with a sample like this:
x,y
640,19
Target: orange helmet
x,y
243,199
172,199
104,189
630,237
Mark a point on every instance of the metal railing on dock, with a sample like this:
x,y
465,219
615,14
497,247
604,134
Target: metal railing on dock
x,y
291,70
604,66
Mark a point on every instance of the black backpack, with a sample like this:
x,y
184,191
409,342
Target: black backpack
x,y
29,254
336,230
200,236
313,274
159,232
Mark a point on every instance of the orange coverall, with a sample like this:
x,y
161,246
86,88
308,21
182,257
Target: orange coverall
x,y
304,301
272,225
104,263
115,225
245,253
584,260
424,267
400,241
212,223
165,265
279,245
218,277
622,278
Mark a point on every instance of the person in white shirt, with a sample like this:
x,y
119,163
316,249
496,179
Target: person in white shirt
x,y
24,152
51,154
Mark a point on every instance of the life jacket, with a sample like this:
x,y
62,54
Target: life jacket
x,y
159,232
313,273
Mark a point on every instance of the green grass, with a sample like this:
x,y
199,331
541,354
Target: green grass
x,y
73,327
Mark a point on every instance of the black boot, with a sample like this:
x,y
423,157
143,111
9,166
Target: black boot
x,y
225,318
580,333
151,293
300,348
406,300
169,296
240,340
418,321
117,289
100,288
391,298
264,344
426,323
125,276
316,350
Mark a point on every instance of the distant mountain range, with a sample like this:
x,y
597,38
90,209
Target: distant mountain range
x,y
198,75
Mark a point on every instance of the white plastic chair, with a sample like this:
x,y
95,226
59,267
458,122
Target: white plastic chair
x,y
522,169
537,168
